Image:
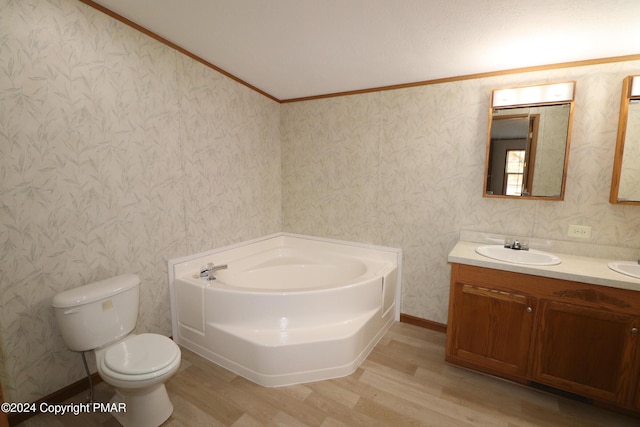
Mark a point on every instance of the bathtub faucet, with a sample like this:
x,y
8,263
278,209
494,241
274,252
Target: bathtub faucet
x,y
207,273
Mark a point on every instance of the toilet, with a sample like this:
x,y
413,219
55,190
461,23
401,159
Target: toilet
x,y
100,316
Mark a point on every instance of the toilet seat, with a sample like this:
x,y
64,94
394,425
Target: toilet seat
x,y
140,357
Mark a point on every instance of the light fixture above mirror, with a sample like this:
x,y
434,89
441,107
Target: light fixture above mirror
x,y
528,141
625,183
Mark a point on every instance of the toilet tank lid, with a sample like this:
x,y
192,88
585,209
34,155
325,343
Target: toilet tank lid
x,y
95,291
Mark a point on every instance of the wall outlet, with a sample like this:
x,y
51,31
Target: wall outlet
x,y
580,231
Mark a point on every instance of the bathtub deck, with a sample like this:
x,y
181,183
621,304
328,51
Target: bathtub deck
x,y
403,382
257,334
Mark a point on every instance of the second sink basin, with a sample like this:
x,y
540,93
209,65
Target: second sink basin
x,y
629,268
530,257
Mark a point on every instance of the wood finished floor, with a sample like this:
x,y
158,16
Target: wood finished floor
x,y
403,382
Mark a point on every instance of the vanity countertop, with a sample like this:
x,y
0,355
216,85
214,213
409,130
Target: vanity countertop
x,y
583,269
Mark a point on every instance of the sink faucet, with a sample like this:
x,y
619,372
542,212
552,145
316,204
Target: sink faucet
x,y
207,273
517,246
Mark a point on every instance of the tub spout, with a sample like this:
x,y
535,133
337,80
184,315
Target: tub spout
x,y
207,273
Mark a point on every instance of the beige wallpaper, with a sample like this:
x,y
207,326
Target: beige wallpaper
x,y
404,168
116,154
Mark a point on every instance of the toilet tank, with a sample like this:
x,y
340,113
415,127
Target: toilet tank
x,y
99,313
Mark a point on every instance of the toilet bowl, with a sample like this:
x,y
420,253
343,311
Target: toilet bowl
x,y
101,316
137,368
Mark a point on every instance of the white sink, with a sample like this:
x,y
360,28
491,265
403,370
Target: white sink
x,y
630,268
530,257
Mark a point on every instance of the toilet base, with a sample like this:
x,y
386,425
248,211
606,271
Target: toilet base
x,y
150,408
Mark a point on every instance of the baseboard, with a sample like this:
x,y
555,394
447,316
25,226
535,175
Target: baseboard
x,y
56,397
423,323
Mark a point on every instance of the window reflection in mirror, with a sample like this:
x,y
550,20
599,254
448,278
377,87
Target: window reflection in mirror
x,y
528,146
625,185
514,173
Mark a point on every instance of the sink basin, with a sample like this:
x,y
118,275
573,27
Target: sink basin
x,y
630,268
530,257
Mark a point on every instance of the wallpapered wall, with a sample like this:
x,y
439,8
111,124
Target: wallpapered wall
x,y
116,154
405,168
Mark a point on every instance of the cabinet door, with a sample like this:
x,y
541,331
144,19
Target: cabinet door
x,y
490,330
585,350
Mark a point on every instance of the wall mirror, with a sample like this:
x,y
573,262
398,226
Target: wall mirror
x,y
625,183
528,141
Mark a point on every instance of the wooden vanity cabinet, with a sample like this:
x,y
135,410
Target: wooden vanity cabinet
x,y
571,336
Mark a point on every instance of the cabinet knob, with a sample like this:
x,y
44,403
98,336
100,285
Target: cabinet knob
x,y
634,330
529,310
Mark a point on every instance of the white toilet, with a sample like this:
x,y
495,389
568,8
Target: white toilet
x,y
100,316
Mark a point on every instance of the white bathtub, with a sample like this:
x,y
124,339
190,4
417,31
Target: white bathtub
x,y
289,308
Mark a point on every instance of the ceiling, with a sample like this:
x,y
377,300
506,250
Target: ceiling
x,y
291,49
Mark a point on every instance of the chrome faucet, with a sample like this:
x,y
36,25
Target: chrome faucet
x,y
516,245
207,273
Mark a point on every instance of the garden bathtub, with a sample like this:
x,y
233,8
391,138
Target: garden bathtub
x,y
288,308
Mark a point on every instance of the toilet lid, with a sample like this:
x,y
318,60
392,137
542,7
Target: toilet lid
x,y
141,354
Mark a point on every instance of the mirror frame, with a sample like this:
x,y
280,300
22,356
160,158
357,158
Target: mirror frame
x,y
627,96
549,94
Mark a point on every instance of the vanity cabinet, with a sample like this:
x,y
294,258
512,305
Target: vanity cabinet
x,y
571,336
